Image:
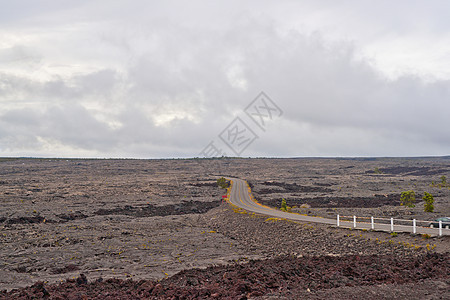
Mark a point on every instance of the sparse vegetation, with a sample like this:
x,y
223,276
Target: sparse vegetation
x,y
442,184
283,205
426,236
223,183
408,198
429,200
430,247
273,219
377,171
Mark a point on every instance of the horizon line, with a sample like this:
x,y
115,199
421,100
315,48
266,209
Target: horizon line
x,y
224,157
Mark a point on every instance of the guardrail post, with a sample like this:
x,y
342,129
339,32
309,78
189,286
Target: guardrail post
x,y
414,226
354,221
440,228
372,224
392,224
337,221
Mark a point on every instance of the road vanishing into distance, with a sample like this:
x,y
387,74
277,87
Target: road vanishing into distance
x,y
240,195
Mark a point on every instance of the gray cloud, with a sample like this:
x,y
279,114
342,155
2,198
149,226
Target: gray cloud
x,y
149,82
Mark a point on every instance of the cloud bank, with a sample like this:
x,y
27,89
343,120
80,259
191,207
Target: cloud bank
x,y
105,79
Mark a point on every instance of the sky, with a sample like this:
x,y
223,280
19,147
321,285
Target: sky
x,y
163,79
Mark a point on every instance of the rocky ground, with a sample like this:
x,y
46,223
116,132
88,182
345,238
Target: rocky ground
x,y
143,229
297,260
280,278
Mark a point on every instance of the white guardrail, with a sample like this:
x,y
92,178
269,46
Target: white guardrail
x,y
400,223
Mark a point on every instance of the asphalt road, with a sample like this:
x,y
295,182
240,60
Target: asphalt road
x,y
240,195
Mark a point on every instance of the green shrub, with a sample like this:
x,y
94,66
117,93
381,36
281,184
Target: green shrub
x,y
283,205
222,182
408,199
429,200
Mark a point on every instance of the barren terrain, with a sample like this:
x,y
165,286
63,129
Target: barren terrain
x,y
148,220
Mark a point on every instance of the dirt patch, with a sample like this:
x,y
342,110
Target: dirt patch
x,y
72,216
24,220
414,171
65,269
191,207
203,184
291,188
328,202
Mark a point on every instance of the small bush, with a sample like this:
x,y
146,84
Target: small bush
x,y
223,183
429,200
283,205
408,199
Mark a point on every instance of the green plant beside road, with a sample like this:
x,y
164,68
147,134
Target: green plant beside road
x,y
408,199
429,200
223,183
284,206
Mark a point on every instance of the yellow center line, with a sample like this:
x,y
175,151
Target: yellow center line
x,y
240,198
252,205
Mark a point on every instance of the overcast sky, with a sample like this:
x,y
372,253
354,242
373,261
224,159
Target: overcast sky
x,y
150,79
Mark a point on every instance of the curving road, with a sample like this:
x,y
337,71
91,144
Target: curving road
x,y
240,195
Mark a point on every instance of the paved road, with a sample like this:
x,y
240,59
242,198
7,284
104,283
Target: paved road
x,y
240,195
